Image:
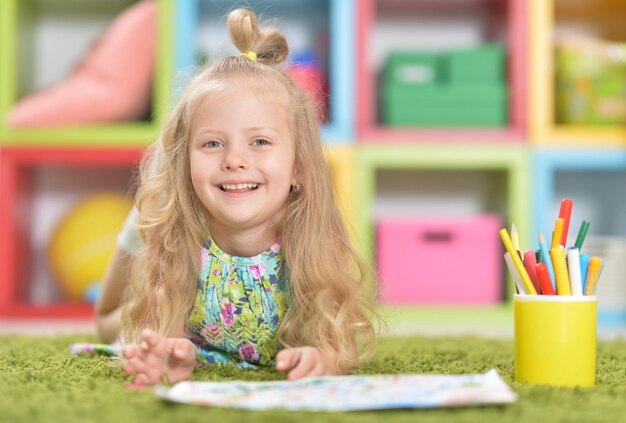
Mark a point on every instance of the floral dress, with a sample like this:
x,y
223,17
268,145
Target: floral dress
x,y
238,308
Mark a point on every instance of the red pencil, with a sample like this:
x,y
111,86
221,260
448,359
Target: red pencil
x,y
530,263
566,214
544,279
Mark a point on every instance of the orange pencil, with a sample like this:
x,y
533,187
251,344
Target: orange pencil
x,y
556,235
544,279
593,274
566,214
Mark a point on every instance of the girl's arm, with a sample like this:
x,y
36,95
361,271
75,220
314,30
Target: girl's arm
x,y
108,307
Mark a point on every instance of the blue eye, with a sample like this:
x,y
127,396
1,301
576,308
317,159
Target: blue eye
x,y
261,141
212,144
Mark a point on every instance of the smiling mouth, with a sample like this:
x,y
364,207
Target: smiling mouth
x,y
238,187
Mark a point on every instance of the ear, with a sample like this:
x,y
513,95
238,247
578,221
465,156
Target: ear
x,y
295,175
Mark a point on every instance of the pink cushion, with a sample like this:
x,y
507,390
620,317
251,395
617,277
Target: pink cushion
x,y
113,83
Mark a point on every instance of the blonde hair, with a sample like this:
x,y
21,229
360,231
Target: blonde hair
x,y
330,307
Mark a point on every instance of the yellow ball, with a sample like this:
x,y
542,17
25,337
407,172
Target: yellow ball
x,y
82,244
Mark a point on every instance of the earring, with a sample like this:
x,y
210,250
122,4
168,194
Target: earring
x,y
295,188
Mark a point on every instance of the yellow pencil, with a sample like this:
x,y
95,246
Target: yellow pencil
x,y
593,274
515,237
517,261
558,232
560,270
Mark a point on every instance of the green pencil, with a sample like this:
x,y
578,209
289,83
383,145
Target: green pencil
x,y
582,233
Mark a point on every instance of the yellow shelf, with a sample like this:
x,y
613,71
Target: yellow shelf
x,y
541,111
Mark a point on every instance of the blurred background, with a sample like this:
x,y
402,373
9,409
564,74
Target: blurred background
x,y
442,120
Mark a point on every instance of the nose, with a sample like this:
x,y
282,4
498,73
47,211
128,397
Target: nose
x,y
234,160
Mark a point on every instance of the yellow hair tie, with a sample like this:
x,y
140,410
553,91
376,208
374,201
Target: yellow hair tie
x,y
250,55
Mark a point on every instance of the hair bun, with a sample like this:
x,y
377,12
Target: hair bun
x,y
269,44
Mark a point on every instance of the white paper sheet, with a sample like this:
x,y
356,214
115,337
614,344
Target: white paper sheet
x,y
347,393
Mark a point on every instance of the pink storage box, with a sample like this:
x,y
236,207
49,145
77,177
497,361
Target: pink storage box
x,y
440,260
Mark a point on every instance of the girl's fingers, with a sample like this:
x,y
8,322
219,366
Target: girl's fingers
x,y
131,351
320,369
134,365
304,367
150,337
183,350
287,359
141,379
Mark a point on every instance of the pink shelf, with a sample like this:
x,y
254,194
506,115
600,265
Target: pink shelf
x,y
513,16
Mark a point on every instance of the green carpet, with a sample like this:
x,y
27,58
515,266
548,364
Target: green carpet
x,y
40,381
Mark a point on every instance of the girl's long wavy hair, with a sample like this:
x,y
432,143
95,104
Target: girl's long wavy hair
x,y
331,301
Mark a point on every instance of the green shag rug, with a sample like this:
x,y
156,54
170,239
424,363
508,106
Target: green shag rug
x,y
40,381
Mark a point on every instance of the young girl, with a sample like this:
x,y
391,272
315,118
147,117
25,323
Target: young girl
x,y
244,258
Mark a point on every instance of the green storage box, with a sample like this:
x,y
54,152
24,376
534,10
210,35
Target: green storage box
x,y
481,64
447,117
412,68
445,105
447,94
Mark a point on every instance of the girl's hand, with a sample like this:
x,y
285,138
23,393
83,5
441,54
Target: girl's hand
x,y
159,359
304,361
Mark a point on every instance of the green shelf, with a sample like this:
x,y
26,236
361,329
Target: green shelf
x,y
17,18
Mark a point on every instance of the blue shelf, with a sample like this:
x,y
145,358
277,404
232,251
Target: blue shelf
x,y
340,21
608,164
596,181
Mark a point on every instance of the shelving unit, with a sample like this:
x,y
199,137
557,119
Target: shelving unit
x,y
558,17
386,25
518,171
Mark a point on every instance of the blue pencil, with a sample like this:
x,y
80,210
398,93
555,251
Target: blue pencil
x,y
584,265
546,259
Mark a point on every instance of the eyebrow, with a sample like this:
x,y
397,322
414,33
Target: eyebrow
x,y
199,134
263,128
252,128
206,131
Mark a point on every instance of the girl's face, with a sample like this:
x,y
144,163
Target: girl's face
x,y
241,156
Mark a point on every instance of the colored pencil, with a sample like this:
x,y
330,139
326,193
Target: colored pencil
x,y
582,233
593,274
556,235
515,237
560,271
545,258
584,265
508,244
566,214
530,263
519,285
544,279
573,265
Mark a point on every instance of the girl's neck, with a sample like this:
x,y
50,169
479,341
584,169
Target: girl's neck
x,y
243,243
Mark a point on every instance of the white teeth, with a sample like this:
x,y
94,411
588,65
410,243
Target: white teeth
x,y
238,186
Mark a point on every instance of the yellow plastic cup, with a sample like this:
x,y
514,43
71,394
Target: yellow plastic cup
x,y
555,339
